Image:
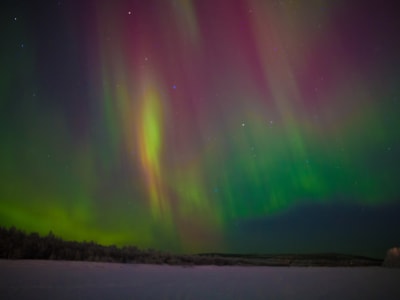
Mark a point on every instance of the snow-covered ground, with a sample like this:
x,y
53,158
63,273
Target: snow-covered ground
x,y
84,280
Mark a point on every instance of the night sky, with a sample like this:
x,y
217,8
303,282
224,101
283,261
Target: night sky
x,y
210,125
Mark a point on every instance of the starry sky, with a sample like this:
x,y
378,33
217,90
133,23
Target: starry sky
x,y
189,126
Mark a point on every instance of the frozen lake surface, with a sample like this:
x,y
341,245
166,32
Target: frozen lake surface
x,y
29,279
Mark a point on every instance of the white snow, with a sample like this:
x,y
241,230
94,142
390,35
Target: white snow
x,y
29,279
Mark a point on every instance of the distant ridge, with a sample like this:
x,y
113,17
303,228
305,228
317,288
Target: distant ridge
x,y
309,259
16,244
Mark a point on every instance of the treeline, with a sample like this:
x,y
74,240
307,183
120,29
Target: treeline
x,y
16,244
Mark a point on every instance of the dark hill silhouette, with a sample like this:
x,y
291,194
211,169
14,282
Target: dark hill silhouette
x,y
16,244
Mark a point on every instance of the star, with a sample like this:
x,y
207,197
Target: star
x,y
243,124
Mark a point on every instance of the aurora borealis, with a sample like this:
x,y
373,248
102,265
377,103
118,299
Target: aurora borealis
x,y
190,126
